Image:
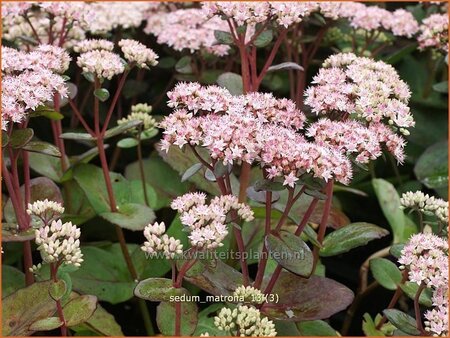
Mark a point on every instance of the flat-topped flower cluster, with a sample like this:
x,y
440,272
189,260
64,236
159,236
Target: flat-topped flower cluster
x,y
187,29
426,204
249,128
30,80
97,57
365,102
244,321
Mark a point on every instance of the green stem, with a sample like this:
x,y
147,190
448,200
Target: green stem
x,y
141,168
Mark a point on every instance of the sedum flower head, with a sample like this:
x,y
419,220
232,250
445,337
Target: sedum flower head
x,y
136,52
45,210
426,204
370,89
59,243
436,321
140,112
207,222
249,128
102,63
244,321
159,242
249,294
30,80
355,138
110,15
426,258
187,29
434,33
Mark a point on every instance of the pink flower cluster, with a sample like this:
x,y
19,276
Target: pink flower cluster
x,y
399,22
360,16
366,89
252,128
349,137
287,154
39,15
187,29
434,32
30,80
207,223
44,56
111,15
426,258
284,13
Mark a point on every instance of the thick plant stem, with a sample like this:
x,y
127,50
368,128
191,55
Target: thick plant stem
x,y
306,217
323,221
107,178
57,131
241,247
54,271
22,220
273,279
300,227
244,181
28,262
99,134
265,251
417,308
178,319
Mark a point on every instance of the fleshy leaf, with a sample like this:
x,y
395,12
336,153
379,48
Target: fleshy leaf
x,y
402,321
157,290
349,237
385,272
301,299
130,216
79,309
24,307
46,324
290,252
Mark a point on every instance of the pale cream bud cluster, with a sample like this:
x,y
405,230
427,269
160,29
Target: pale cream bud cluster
x,y
244,321
46,210
59,243
102,63
426,204
135,51
249,294
140,112
159,242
